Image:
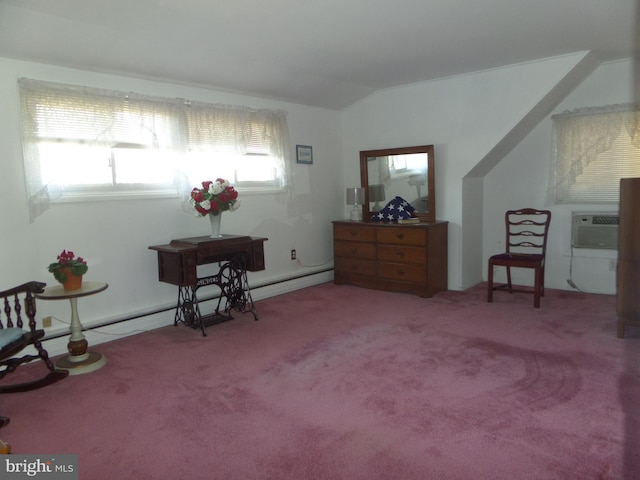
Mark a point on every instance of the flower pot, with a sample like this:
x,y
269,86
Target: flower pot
x,y
72,282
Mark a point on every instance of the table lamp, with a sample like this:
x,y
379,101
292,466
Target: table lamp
x,y
355,197
376,194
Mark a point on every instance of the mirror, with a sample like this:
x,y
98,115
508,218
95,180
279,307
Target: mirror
x,y
406,172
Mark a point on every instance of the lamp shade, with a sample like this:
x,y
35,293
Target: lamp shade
x,y
355,196
376,193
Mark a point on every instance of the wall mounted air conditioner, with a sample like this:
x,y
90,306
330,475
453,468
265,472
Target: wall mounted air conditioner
x,y
595,230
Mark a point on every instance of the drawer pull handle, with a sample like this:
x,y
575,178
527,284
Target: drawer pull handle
x,y
400,254
401,272
354,250
400,235
354,233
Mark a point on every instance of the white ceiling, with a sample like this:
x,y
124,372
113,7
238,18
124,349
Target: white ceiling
x,y
325,53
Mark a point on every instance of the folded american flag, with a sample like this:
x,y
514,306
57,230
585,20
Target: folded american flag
x,y
396,209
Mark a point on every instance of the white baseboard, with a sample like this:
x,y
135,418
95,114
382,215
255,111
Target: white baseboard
x,y
146,322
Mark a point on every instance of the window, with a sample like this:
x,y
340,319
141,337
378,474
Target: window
x,y
247,147
593,149
408,165
82,143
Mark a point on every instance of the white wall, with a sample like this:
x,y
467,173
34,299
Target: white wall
x,y
114,235
464,117
521,179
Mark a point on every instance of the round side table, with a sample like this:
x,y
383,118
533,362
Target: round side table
x,y
79,359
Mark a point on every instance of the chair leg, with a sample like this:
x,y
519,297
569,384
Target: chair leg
x,y
509,280
537,288
54,374
490,283
5,448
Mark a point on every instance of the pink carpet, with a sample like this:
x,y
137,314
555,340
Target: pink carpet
x,y
339,382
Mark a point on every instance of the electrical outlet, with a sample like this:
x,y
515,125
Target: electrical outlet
x,y
293,254
613,264
46,322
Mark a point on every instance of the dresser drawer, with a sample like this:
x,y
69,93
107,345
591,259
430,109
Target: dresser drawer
x,y
402,254
351,265
403,272
402,236
354,250
355,233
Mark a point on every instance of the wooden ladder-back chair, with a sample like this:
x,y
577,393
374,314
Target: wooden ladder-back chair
x,y
15,336
526,247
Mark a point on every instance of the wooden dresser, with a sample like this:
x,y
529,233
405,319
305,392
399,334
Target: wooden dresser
x,y
392,257
628,279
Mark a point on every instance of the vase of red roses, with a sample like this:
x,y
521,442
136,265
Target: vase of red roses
x,y
212,199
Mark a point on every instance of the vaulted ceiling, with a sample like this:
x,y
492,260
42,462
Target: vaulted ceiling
x,y
324,53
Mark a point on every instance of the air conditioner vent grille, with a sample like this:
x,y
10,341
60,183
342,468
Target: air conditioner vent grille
x,y
606,220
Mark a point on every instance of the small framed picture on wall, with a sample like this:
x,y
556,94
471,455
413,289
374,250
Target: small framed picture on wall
x,y
304,154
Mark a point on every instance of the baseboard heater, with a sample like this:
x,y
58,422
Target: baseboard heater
x,y
172,307
595,230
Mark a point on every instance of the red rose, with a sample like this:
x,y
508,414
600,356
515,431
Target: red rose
x,y
197,195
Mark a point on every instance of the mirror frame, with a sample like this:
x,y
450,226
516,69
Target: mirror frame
x,y
430,216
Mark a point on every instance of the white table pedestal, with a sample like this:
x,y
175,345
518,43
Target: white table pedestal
x,y
79,359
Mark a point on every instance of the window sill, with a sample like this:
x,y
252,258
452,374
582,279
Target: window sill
x,y
78,196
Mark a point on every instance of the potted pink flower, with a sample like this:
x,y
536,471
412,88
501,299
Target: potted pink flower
x,y
69,269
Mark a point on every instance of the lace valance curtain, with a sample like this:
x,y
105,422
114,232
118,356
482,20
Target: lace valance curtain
x,y
57,112
580,136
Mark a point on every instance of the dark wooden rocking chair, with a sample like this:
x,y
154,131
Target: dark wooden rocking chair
x,y
15,336
526,247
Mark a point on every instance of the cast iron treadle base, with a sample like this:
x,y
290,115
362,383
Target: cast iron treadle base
x,y
234,288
